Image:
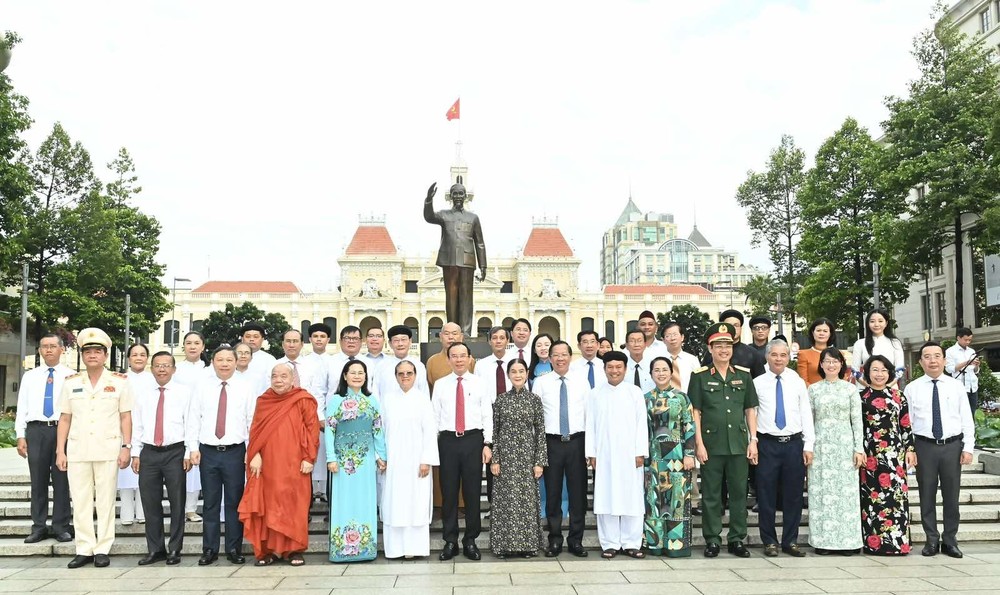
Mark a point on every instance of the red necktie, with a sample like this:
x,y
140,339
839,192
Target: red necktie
x,y
296,380
520,354
158,428
501,381
459,408
220,416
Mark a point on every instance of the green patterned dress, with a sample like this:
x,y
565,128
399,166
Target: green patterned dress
x,y
667,528
354,439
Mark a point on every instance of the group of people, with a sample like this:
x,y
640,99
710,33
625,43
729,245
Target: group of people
x,y
384,437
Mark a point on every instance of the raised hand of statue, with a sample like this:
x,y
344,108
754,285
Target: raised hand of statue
x,y
432,191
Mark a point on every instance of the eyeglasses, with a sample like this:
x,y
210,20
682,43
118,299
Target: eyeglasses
x,y
351,339
161,366
405,374
830,362
759,327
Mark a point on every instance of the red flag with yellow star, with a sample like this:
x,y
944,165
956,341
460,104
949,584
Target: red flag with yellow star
x,y
452,113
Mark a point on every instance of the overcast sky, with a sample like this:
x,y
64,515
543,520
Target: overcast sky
x,y
262,131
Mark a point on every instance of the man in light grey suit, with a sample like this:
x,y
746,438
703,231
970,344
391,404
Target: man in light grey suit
x,y
461,248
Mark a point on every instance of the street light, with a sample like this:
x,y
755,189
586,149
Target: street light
x,y
174,335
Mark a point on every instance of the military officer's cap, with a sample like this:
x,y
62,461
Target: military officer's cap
x,y
732,314
93,337
760,320
397,330
320,327
720,331
615,356
252,326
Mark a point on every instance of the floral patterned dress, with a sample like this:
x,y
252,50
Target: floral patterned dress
x,y
518,446
667,528
884,502
834,494
353,440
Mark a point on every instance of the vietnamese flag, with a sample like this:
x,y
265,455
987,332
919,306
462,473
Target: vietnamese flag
x,y
452,113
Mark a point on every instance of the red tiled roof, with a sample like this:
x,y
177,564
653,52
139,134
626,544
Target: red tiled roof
x,y
371,239
246,287
657,289
547,241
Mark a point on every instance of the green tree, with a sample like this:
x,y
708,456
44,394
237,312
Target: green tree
x,y
774,216
938,140
224,326
761,294
693,322
839,199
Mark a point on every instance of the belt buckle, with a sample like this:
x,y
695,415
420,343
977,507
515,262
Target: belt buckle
x,y
459,434
565,438
940,442
784,439
222,448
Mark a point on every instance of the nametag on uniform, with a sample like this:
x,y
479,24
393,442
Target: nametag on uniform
x,y
710,383
78,390
736,383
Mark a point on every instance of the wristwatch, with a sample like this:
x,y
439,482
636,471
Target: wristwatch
x,y
754,439
129,446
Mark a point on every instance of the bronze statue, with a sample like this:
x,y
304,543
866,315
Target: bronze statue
x,y
461,249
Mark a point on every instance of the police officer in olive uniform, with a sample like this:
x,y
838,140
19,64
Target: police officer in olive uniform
x,y
93,443
724,398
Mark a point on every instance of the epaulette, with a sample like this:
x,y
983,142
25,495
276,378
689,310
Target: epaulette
x,y
120,375
700,370
74,375
742,369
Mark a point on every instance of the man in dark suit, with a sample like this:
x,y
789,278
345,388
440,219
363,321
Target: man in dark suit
x,y
461,249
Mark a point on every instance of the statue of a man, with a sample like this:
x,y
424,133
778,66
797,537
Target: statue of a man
x,y
462,249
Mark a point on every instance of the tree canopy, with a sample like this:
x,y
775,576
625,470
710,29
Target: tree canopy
x,y
224,326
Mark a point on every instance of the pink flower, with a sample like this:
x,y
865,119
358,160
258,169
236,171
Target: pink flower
x,y
352,537
878,403
874,495
871,463
349,409
906,487
874,541
887,525
881,514
883,444
895,397
905,421
900,471
904,549
884,480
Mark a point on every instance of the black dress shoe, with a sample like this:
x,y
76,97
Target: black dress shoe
x,y
102,560
931,548
173,558
208,557
822,552
529,554
471,552
64,537
696,510
235,557
711,550
79,561
951,550
553,551
36,536
737,549
794,551
450,551
153,558
578,551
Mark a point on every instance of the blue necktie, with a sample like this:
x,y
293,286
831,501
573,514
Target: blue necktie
x,y
936,426
779,404
47,408
563,408
590,373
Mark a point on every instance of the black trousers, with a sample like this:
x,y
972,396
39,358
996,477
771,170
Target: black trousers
x,y
222,469
42,469
566,460
939,465
163,468
461,468
781,473
458,295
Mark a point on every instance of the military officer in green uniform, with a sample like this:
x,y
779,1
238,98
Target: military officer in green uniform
x,y
724,399
92,443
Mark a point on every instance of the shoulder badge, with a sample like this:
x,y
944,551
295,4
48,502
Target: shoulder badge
x,y
74,375
120,375
742,369
700,370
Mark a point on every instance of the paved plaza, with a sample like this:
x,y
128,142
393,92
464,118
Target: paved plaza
x,y
978,572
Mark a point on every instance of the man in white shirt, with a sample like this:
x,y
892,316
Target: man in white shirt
x,y
617,445
350,347
222,410
683,362
520,336
35,427
962,362
375,342
944,437
589,367
164,434
653,347
785,448
564,402
463,407
319,338
384,377
262,361
637,366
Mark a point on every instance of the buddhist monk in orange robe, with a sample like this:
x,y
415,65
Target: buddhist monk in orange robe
x,y
284,439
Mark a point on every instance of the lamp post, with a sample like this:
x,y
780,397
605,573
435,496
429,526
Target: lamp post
x,y
174,335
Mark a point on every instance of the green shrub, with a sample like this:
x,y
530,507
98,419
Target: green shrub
x,y
7,436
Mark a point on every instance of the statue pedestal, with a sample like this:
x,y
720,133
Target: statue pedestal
x,y
479,346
